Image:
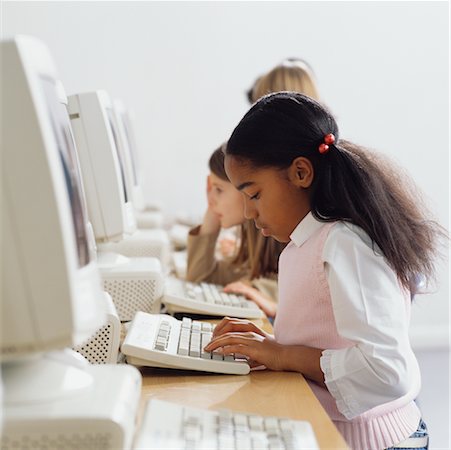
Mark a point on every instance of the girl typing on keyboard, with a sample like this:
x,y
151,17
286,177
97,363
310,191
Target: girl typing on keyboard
x,y
356,238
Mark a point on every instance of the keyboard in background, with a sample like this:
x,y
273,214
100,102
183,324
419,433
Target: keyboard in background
x,y
172,426
206,298
159,340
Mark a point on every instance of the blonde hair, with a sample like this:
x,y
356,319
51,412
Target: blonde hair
x,y
292,74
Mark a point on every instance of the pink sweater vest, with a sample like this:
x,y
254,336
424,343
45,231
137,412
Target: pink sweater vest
x,y
305,317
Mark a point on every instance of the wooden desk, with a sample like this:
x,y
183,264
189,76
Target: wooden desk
x,y
285,394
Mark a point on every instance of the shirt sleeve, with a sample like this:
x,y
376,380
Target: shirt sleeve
x,y
202,264
371,311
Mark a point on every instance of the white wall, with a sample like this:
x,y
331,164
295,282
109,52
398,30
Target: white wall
x,y
382,67
184,67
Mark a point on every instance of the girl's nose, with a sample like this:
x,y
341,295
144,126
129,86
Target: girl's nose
x,y
249,209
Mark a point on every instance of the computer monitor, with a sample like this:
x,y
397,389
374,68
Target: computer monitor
x,y
51,289
128,144
109,206
104,175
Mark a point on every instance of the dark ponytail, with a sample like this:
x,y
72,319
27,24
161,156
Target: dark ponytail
x,y
350,183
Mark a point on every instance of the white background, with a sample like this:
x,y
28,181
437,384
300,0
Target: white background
x,y
184,67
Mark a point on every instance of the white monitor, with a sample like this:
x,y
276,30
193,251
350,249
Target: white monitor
x,y
109,202
128,143
51,294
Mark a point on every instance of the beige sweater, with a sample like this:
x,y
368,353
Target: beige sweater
x,y
203,266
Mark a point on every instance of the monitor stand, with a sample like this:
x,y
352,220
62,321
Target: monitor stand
x,y
58,400
142,243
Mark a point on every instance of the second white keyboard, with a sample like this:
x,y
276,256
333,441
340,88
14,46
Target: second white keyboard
x,y
172,426
206,298
159,340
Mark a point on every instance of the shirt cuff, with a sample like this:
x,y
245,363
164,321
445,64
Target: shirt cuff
x,y
330,367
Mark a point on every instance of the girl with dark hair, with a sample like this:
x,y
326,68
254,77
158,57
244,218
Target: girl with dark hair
x,y
251,270
357,237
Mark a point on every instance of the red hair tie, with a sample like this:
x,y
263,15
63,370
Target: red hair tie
x,y
329,139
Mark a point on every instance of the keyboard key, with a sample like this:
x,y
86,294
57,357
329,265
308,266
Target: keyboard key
x,y
271,424
205,339
160,346
207,327
217,356
256,423
225,299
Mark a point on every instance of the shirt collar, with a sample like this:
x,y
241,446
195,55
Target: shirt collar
x,y
305,229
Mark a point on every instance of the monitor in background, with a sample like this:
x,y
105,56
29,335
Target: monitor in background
x,y
105,175
51,290
145,217
132,283
110,210
128,146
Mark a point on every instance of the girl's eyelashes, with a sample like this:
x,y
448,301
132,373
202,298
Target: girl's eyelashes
x,y
255,196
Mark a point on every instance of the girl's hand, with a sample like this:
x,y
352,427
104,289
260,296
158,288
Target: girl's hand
x,y
239,287
268,306
230,325
227,247
245,338
258,348
211,222
209,192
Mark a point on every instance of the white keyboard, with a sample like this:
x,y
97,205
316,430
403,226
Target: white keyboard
x,y
159,340
205,298
172,426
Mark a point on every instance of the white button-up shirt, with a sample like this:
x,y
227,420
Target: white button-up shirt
x,y
372,310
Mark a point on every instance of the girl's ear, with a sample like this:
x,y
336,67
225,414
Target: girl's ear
x,y
301,172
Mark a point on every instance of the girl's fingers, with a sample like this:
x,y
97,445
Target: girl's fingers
x,y
246,349
237,287
230,339
225,322
242,350
221,325
234,325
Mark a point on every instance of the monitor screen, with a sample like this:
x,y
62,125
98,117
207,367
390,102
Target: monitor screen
x,y
118,151
66,147
131,147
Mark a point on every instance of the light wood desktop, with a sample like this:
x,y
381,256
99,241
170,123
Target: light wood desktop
x,y
285,394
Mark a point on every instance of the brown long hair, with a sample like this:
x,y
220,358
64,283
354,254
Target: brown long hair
x,y
259,253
